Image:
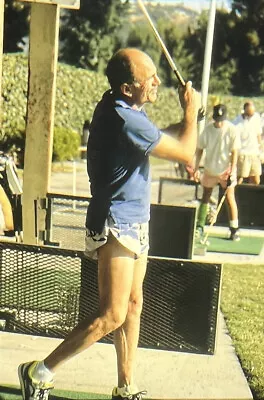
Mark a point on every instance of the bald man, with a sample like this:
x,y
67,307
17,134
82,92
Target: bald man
x,y
120,142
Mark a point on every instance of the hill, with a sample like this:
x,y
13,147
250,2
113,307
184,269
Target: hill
x,y
179,14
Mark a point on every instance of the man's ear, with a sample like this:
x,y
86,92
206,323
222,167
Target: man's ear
x,y
126,89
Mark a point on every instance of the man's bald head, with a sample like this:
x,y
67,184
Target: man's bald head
x,y
249,108
126,66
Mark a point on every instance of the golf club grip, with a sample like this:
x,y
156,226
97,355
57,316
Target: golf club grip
x,y
179,77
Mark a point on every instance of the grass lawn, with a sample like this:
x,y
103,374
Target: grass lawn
x,y
243,307
14,393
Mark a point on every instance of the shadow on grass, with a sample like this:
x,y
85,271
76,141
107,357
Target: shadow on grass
x,y
12,393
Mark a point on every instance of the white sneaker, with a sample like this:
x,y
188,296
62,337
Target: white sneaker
x,y
127,393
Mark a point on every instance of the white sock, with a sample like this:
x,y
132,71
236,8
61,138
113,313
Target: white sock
x,y
41,373
234,223
127,389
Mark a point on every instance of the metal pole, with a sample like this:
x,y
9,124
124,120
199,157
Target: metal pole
x,y
207,58
74,184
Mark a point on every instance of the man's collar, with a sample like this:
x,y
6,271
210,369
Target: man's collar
x,y
122,103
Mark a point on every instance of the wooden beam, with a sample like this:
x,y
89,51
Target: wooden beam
x,y
74,4
43,55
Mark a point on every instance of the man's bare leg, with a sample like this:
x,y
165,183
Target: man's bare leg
x,y
255,180
202,211
115,276
126,337
232,204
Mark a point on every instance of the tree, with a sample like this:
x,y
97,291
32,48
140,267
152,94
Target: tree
x,y
16,25
249,9
248,46
223,64
141,36
89,35
174,37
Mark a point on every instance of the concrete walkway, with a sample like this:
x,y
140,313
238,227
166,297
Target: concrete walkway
x,y
165,375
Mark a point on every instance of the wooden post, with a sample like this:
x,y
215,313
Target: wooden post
x,y
43,55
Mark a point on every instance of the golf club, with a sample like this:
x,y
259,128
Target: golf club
x,y
215,216
162,44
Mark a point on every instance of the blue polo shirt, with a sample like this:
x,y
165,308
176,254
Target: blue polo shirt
x,y
118,148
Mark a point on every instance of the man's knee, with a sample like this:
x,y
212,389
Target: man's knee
x,y
135,305
115,318
254,179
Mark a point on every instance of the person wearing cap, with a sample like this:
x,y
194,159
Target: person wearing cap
x,y
250,129
221,143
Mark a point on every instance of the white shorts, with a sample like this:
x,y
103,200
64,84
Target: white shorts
x,y
134,237
248,165
210,181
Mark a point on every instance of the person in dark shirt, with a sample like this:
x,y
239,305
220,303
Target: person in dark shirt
x,y
120,142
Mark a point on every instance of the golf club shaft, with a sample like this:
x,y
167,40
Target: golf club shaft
x,y
216,215
162,44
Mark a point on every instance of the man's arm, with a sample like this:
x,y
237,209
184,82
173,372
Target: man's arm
x,y
259,128
178,143
233,160
198,157
199,153
174,130
233,172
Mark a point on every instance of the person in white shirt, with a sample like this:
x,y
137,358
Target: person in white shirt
x,y
249,127
220,142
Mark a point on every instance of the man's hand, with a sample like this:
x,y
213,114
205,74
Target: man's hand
x,y
230,180
188,99
196,175
201,114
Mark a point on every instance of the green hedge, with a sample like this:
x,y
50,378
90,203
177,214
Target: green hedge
x,y
78,91
65,144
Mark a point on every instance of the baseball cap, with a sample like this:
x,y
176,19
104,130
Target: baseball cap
x,y
219,112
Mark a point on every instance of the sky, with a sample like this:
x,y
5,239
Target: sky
x,y
196,4
202,3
